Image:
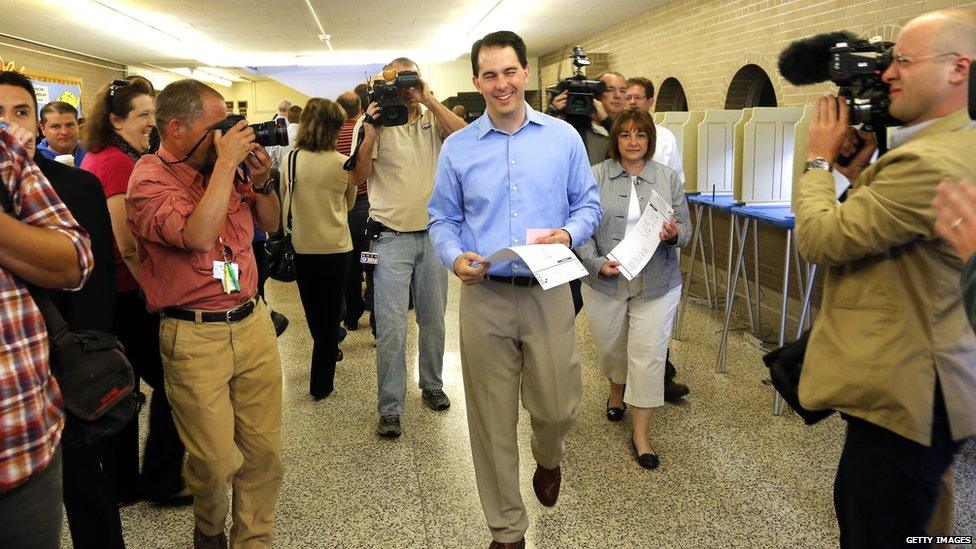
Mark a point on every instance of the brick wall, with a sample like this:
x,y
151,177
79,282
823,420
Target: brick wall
x,y
703,44
94,73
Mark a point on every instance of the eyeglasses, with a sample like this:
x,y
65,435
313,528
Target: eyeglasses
x,y
905,61
635,98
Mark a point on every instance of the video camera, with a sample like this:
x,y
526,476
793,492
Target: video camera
x,y
266,134
855,65
579,101
385,93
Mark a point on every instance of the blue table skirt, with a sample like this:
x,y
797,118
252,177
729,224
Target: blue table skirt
x,y
721,202
778,216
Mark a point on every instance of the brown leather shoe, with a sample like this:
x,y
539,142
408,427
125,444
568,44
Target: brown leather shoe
x,y
520,544
203,541
546,484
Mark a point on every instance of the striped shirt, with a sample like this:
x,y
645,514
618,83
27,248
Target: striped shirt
x,y
30,400
344,146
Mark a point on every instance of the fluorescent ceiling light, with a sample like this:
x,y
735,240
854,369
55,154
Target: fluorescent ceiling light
x,y
198,74
166,37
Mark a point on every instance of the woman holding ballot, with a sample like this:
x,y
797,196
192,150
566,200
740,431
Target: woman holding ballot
x,y
634,286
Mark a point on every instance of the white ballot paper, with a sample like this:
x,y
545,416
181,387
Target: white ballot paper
x,y
552,264
640,243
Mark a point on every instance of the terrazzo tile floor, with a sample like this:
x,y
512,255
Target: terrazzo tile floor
x,y
731,475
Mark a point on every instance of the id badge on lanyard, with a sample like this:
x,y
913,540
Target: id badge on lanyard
x,y
227,271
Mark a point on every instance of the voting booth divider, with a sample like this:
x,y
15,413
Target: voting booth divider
x,y
743,163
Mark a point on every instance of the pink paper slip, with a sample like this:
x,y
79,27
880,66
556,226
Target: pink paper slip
x,y
533,235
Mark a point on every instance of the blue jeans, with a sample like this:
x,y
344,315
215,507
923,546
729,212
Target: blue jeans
x,y
402,257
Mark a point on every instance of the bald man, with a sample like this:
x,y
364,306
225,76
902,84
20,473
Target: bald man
x,y
891,348
283,107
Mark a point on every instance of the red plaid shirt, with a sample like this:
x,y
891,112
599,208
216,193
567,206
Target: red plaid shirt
x,y
30,401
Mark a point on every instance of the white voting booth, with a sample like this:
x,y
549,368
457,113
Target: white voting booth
x,y
684,126
768,140
716,152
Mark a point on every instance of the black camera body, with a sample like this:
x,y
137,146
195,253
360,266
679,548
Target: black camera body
x,y
267,134
385,93
856,67
579,100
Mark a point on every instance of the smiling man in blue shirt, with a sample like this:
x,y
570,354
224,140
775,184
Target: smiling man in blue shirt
x,y
512,170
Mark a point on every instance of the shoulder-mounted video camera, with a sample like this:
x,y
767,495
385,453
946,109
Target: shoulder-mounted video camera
x,y
385,93
579,100
266,134
854,64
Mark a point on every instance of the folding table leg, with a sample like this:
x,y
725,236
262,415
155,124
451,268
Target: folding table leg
x,y
695,238
720,366
777,399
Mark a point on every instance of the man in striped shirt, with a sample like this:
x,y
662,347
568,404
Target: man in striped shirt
x,y
43,245
355,303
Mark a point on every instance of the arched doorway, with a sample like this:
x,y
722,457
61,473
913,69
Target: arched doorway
x,y
750,87
671,97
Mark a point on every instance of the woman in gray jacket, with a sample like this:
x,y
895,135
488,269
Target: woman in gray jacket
x,y
631,320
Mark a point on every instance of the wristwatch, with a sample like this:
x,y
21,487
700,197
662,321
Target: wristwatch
x,y
819,163
264,189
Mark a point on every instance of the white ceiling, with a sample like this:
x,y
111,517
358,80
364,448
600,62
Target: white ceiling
x,y
236,33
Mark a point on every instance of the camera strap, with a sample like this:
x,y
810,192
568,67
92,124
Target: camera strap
x,y
350,163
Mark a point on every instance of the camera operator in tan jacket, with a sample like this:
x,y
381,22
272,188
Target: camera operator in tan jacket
x,y
891,349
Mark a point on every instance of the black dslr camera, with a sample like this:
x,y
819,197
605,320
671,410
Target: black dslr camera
x,y
385,93
579,101
266,134
855,65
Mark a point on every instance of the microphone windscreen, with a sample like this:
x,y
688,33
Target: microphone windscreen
x,y
807,61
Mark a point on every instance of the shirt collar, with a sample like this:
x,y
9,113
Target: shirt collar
x,y
485,124
182,170
954,121
617,170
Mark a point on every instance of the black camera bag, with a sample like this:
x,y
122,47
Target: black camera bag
x,y
785,365
96,379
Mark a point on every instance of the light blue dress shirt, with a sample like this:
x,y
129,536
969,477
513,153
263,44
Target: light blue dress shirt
x,y
491,187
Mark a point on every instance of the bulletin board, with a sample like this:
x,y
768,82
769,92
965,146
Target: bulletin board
x,y
51,87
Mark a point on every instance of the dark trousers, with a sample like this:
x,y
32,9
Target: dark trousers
x,y
30,514
887,486
260,260
162,465
89,497
355,304
321,279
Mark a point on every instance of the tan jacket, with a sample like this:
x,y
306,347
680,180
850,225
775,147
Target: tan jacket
x,y
892,317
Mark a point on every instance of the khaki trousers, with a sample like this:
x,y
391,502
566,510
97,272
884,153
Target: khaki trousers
x,y
224,384
516,340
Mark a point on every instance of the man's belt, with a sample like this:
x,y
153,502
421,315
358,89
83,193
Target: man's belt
x,y
523,281
236,314
386,229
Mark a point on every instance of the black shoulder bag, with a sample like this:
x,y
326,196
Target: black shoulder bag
x,y
95,377
278,249
785,366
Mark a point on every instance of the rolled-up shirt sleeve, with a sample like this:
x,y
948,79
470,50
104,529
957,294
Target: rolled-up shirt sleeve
x,y
446,213
157,212
40,206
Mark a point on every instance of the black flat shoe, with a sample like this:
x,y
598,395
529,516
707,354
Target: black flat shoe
x,y
615,414
647,461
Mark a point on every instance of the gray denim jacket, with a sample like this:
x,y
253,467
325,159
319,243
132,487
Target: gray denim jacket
x,y
662,273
